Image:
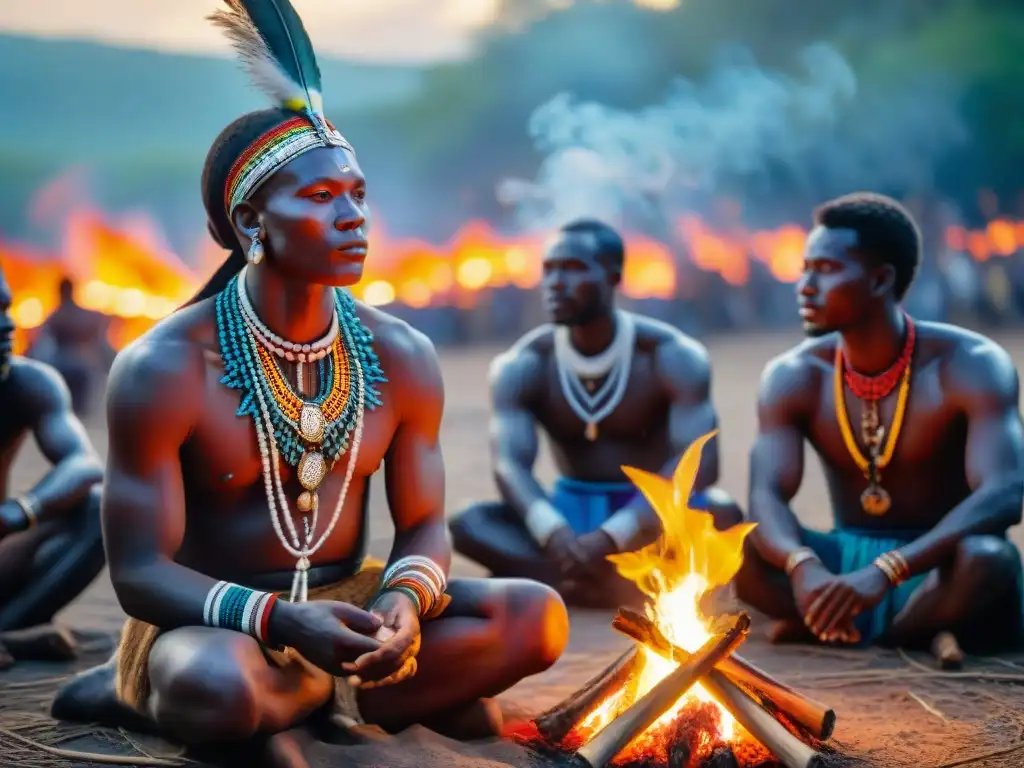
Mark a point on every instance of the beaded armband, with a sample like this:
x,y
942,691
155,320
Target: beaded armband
x,y
894,566
421,579
798,557
27,503
229,606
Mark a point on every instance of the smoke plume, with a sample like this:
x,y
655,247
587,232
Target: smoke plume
x,y
745,131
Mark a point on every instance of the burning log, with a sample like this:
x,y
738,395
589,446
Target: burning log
x,y
555,724
631,723
816,718
761,724
734,696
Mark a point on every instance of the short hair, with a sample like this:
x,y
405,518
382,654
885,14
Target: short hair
x,y
885,231
225,150
609,248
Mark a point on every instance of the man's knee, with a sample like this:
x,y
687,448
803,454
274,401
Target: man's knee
x,y
533,616
204,696
761,586
987,561
467,525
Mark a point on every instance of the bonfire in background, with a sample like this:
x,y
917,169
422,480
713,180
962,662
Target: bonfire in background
x,y
680,697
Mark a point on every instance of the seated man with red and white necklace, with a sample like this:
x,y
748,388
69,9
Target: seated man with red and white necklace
x,y
918,430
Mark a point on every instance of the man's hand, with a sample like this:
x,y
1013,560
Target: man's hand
x,y
809,581
560,549
590,556
844,598
399,634
329,634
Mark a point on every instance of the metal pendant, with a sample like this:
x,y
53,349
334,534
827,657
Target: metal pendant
x,y
591,432
311,423
312,470
875,500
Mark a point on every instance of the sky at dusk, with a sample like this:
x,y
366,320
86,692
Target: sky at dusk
x,y
383,30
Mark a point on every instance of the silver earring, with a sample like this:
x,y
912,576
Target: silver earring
x,y
255,254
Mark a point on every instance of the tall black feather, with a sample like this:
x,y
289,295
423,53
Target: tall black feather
x,y
282,30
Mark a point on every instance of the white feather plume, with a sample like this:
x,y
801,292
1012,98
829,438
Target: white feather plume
x,y
257,60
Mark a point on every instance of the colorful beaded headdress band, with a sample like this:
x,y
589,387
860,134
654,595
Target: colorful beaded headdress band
x,y
276,52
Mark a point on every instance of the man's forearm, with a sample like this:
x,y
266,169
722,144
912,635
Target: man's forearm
x,y
777,534
162,593
990,510
521,491
428,540
65,486
636,524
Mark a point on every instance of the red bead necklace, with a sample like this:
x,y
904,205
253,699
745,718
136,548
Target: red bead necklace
x,y
877,387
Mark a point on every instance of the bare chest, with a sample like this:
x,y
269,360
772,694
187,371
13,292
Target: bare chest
x,y
635,411
223,457
920,436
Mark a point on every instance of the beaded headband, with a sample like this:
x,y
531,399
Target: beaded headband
x,y
275,148
274,49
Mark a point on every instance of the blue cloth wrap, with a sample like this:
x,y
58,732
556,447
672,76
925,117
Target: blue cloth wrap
x,y
845,550
586,505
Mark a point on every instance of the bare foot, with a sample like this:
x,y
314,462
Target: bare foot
x,y
947,652
43,643
89,697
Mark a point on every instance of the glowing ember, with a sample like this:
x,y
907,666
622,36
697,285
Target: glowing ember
x,y
688,562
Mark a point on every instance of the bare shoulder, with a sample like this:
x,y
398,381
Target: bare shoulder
x,y
407,356
526,355
972,365
160,376
679,358
36,389
517,374
791,381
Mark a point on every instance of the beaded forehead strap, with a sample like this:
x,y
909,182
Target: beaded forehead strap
x,y
274,49
271,151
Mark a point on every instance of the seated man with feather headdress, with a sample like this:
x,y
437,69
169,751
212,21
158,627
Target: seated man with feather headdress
x,y
244,430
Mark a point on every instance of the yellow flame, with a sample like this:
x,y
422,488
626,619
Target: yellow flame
x,y
690,559
689,545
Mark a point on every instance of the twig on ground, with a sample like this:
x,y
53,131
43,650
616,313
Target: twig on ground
x,y
40,683
96,757
127,736
881,675
914,662
1006,663
983,756
927,707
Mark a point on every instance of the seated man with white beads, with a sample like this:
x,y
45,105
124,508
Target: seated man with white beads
x,y
609,388
244,430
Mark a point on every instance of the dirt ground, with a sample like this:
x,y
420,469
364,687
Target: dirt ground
x,y
893,710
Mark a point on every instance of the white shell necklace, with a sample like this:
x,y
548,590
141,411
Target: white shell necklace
x,y
615,362
286,350
301,548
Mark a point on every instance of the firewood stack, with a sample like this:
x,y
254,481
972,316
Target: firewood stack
x,y
785,722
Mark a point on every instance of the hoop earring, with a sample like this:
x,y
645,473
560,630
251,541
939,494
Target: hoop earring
x,y
255,253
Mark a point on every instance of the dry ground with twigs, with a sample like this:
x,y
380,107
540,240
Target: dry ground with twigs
x,y
893,710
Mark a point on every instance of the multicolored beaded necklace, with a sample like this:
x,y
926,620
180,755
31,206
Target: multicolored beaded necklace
x,y
309,434
875,500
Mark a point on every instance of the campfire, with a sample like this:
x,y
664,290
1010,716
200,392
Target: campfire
x,y
680,697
